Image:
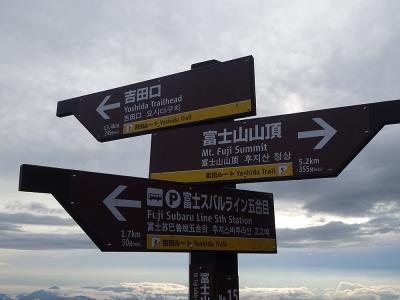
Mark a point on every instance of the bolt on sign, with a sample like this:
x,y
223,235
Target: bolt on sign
x,y
122,213
206,93
304,145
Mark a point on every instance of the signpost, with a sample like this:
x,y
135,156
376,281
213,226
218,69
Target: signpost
x,y
205,93
312,144
122,213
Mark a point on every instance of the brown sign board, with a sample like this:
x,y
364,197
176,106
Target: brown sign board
x,y
216,91
304,145
121,213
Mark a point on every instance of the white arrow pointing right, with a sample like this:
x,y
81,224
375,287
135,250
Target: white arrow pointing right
x,y
112,202
103,107
327,133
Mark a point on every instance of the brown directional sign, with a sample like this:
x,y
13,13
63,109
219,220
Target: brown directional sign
x,y
216,91
304,145
122,213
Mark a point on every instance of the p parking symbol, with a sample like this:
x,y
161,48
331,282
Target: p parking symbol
x,y
173,198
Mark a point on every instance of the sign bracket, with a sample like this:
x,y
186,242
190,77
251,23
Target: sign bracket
x,y
54,181
384,113
40,179
67,108
205,63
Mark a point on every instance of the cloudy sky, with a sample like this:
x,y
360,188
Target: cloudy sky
x,y
337,237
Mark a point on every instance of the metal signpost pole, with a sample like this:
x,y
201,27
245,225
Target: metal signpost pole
x,y
213,275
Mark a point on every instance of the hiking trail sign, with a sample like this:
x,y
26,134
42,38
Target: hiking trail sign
x,y
129,214
209,92
312,144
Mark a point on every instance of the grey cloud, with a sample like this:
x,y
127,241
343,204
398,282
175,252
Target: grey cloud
x,y
343,291
381,225
356,291
169,291
4,297
128,291
41,241
33,207
347,58
37,77
375,184
13,237
346,68
367,185
301,293
374,56
338,234
8,227
115,45
334,233
28,218
43,294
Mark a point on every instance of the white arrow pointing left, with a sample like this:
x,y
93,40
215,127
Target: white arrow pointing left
x,y
103,107
327,132
112,202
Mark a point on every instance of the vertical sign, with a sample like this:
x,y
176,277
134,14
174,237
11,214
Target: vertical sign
x,y
202,282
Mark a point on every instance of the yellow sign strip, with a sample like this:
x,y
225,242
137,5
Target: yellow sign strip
x,y
232,173
188,117
194,243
